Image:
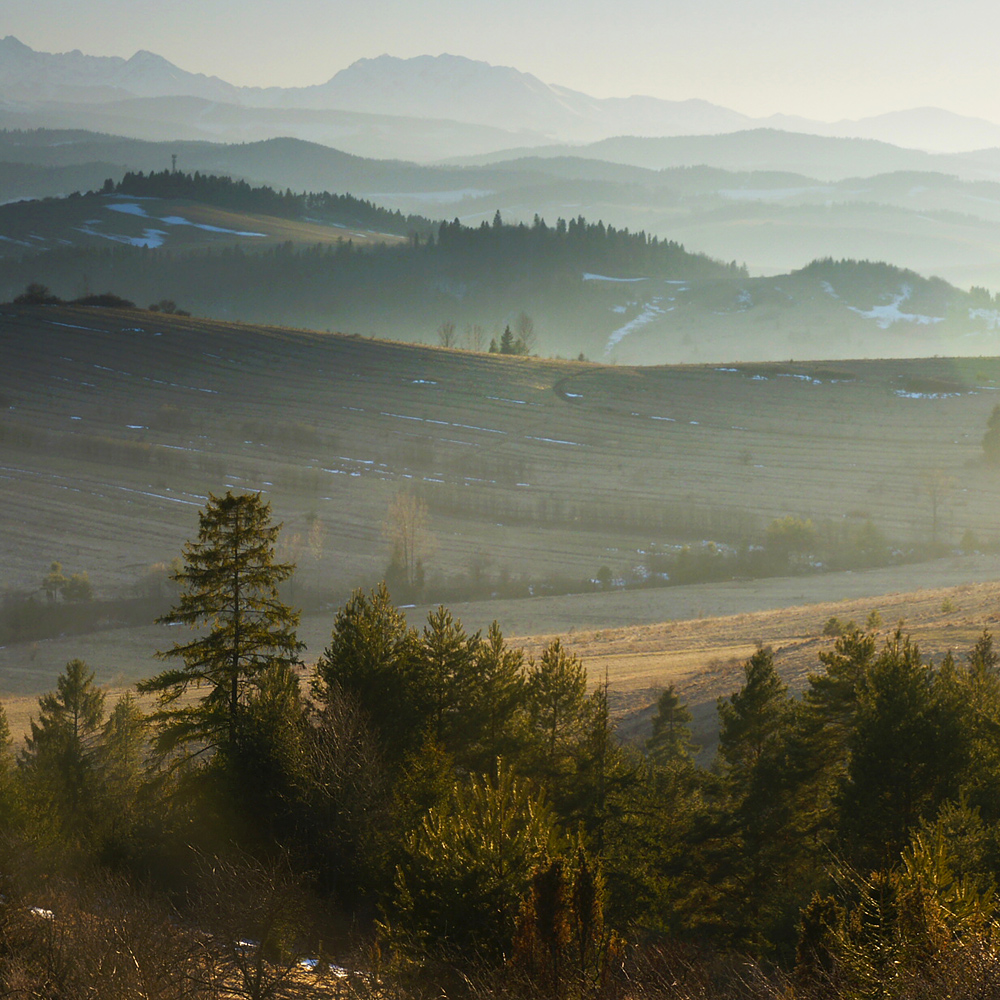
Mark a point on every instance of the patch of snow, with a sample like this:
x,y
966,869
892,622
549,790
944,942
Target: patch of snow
x,y
530,437
885,316
179,220
619,309
73,326
485,430
503,399
603,277
926,395
652,312
668,419
128,208
828,288
990,316
151,238
422,381
159,496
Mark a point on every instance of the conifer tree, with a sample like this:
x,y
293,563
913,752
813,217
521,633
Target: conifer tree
x,y
7,796
909,749
670,743
557,701
444,675
756,728
370,656
496,713
467,868
60,751
229,583
507,342
120,762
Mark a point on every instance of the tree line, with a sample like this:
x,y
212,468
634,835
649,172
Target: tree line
x,y
470,812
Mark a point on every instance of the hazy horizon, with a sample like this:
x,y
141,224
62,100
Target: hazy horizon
x,y
778,57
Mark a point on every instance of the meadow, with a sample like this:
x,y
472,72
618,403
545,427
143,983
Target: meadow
x,y
536,475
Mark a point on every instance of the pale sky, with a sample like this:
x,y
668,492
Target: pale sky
x,y
827,60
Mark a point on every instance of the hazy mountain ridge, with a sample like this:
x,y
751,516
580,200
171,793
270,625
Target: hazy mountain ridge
x,y
446,87
27,75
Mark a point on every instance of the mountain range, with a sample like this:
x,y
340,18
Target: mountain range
x,y
375,107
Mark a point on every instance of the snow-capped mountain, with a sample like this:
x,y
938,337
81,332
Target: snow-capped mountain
x,y
30,76
450,88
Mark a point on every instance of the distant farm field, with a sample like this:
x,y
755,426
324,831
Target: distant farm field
x,y
115,426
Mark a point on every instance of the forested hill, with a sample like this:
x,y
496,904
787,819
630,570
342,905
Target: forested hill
x,y
578,243
153,237
238,195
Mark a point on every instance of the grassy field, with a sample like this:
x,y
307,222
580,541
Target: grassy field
x,y
115,426
174,224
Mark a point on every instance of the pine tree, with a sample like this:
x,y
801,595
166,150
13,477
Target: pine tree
x,y
507,342
670,743
467,868
557,701
120,760
444,662
229,582
496,713
756,729
909,750
370,657
7,792
60,752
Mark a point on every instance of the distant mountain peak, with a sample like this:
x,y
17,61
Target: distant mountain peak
x,y
450,88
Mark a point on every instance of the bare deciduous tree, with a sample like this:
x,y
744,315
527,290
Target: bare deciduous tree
x,y
475,337
446,334
410,540
524,327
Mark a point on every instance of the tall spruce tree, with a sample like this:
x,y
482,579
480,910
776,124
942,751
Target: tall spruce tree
x,y
670,743
371,657
229,583
59,754
756,726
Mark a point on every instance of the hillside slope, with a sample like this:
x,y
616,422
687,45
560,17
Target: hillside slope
x,y
116,425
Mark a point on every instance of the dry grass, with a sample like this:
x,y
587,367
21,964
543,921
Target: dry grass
x,y
702,657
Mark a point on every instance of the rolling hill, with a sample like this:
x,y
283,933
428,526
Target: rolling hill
x,y
117,424
326,262
772,200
